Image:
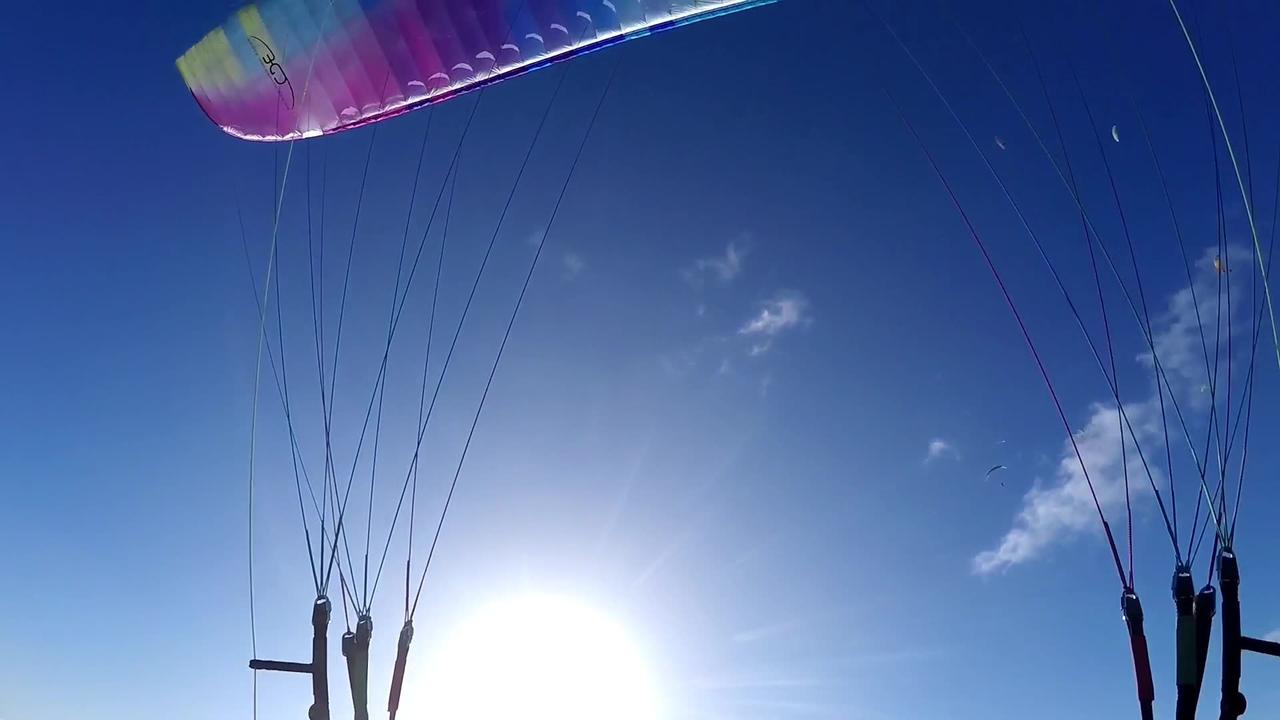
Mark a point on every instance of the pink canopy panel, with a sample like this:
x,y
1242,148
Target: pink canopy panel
x,y
285,69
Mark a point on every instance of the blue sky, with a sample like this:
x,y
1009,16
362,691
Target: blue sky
x,y
756,315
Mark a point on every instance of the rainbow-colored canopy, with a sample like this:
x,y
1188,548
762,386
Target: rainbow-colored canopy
x,y
284,69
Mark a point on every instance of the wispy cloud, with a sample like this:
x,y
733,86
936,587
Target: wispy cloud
x,y
1273,636
1062,507
721,269
764,632
573,265
776,678
1178,340
785,311
939,448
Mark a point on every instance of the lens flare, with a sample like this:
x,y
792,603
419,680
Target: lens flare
x,y
536,657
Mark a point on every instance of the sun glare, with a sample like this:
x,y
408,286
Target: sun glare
x,y
536,657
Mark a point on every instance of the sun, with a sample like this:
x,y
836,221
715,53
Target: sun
x,y
536,657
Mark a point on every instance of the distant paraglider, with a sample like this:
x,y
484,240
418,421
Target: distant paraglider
x,y
1115,133
1000,143
993,470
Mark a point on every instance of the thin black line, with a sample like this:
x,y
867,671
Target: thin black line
x,y
337,347
1257,328
422,395
317,302
533,266
380,386
1150,341
253,282
1195,301
1146,315
1213,431
1112,382
412,271
1026,334
1248,206
493,239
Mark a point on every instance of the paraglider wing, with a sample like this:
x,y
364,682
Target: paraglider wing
x,y
285,69
993,470
1115,133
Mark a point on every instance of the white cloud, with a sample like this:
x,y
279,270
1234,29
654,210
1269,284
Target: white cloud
x,y
1062,507
785,311
1273,636
573,264
938,448
720,268
1177,337
756,335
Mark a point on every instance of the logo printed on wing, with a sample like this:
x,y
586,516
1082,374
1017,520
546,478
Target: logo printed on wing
x,y
274,70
